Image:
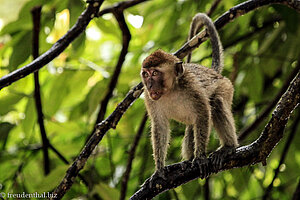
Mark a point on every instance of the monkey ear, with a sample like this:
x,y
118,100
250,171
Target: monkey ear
x,y
179,69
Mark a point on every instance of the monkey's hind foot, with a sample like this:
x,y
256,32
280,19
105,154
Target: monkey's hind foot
x,y
157,177
217,157
203,164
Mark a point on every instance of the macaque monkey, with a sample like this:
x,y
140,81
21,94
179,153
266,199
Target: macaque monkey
x,y
192,94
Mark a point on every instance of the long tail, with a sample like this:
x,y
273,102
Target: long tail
x,y
198,21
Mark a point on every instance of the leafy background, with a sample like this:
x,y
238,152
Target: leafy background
x,y
261,50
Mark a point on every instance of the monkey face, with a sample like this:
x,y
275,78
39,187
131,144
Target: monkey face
x,y
154,82
159,72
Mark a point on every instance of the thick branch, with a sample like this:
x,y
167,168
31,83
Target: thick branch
x,y
101,129
36,17
258,151
263,115
284,153
56,49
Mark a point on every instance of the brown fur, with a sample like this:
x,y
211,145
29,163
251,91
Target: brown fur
x,y
192,94
198,98
158,57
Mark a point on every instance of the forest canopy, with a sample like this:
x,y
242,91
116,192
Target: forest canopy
x,y
69,70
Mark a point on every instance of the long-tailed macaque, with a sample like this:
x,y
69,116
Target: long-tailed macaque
x,y
192,94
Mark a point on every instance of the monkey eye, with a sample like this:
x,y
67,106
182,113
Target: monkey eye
x,y
145,74
154,73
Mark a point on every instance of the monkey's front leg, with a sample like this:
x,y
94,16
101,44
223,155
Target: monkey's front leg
x,y
160,140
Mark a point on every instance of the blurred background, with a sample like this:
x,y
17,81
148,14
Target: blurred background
x,y
261,57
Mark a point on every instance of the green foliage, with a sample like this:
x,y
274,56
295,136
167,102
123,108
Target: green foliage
x,y
74,84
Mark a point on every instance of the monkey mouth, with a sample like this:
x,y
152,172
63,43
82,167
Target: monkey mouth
x,y
155,95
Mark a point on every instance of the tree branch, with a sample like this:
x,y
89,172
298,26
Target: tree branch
x,y
296,195
120,6
284,153
247,130
81,24
101,129
213,7
36,17
256,152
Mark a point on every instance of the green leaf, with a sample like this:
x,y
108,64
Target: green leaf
x,y
7,102
57,93
16,26
52,179
106,26
190,189
290,16
21,51
254,82
81,79
75,8
5,128
30,117
106,192
78,45
90,103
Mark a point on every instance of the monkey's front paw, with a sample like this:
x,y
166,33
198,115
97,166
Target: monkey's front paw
x,y
203,164
217,157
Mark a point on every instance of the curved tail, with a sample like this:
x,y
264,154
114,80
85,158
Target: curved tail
x,y
198,21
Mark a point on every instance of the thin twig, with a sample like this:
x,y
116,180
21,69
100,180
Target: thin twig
x,y
296,195
207,189
120,6
284,153
213,7
126,175
36,17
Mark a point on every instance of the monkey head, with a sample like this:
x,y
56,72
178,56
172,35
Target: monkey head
x,y
159,73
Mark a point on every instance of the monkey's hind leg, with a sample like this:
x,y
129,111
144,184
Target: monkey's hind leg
x,y
224,124
202,129
188,144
